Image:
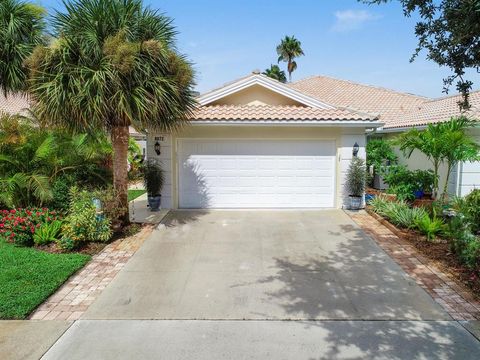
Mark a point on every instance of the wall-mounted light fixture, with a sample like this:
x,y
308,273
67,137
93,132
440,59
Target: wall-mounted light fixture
x,y
157,148
356,147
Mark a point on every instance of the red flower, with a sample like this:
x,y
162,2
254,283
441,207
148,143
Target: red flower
x,y
13,211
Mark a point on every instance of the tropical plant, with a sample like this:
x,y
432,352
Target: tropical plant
x,y
356,177
82,223
380,153
472,209
21,29
289,49
430,226
276,73
398,213
47,233
153,178
444,142
112,64
34,160
458,145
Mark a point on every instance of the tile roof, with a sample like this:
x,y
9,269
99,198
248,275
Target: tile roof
x,y
275,112
13,103
371,99
437,110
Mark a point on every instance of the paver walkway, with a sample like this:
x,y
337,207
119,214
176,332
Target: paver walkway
x,y
74,297
457,301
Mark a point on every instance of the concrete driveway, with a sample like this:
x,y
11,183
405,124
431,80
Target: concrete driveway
x,y
347,298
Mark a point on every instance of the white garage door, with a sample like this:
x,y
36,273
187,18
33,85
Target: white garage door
x,y
256,174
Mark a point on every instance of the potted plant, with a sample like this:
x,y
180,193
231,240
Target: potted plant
x,y
153,179
355,185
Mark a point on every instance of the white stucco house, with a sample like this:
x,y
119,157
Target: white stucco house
x,y
258,143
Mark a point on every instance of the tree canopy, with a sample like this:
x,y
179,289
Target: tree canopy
x,y
449,30
276,73
289,49
21,29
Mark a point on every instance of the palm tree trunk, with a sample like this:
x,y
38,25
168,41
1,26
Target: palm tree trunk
x,y
445,188
120,137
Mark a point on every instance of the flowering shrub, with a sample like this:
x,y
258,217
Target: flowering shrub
x,y
18,225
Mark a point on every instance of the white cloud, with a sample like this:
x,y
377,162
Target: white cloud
x,y
348,20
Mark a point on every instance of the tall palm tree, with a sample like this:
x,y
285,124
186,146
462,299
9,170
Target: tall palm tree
x,y
113,64
276,73
289,49
21,29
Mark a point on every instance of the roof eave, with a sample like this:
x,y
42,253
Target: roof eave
x,y
289,123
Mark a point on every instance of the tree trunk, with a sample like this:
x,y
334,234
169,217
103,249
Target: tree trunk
x,y
445,188
120,137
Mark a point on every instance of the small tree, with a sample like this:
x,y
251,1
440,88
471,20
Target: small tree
x,y
442,143
356,177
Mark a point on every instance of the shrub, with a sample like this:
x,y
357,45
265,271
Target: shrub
x,y
19,225
47,232
356,177
379,152
430,227
404,182
83,223
472,209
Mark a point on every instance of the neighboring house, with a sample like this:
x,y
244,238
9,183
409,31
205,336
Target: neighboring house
x,y
401,112
258,143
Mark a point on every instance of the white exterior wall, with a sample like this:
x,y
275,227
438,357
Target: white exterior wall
x,y
344,139
165,161
345,154
469,176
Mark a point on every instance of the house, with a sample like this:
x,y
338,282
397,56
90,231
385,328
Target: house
x,y
258,143
401,112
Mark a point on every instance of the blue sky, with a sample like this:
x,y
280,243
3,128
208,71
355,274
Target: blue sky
x,y
227,39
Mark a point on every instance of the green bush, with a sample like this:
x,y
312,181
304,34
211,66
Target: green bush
x,y
404,182
379,152
472,209
47,233
430,227
83,224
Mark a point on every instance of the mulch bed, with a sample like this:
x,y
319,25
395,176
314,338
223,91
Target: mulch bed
x,y
438,252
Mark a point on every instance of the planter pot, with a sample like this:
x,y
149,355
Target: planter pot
x,y
355,202
419,194
154,202
378,183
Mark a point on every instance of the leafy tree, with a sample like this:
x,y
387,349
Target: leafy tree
x,y
379,151
21,29
113,64
289,49
449,30
276,73
442,143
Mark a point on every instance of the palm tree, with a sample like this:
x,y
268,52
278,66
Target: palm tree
x,y
289,49
441,143
275,73
113,64
458,145
21,29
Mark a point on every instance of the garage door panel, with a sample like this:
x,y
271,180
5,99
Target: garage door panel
x,y
251,173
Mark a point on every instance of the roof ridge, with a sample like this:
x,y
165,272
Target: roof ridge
x,y
362,84
451,96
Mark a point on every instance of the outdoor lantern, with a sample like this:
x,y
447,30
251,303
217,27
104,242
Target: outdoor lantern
x,y
157,147
355,149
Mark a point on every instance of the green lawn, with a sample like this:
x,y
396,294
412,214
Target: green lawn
x,y
133,194
29,276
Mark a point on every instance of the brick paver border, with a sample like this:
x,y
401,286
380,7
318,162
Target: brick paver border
x,y
455,299
74,297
